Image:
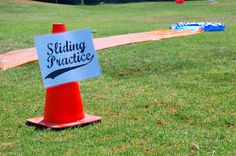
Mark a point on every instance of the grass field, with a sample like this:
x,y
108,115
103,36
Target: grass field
x,y
168,97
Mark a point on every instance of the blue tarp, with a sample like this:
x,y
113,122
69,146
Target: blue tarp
x,y
193,26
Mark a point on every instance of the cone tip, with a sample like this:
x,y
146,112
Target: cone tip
x,y
58,27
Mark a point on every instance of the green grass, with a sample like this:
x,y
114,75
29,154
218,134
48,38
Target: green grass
x,y
169,97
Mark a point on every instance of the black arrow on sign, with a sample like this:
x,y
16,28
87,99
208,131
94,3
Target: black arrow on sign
x,y
58,72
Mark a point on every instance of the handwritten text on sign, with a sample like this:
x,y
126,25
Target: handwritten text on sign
x,y
67,57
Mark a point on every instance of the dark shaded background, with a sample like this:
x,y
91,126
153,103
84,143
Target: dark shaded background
x,y
93,2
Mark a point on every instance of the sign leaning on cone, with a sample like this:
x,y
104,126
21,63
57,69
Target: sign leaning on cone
x,y
65,58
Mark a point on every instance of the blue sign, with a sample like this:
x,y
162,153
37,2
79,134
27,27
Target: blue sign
x,y
67,57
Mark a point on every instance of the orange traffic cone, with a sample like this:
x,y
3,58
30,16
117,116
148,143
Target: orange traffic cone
x,y
63,104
